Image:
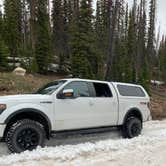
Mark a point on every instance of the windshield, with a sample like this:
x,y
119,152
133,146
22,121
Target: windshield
x,y
50,87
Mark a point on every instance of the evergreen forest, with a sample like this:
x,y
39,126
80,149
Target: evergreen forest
x,y
107,41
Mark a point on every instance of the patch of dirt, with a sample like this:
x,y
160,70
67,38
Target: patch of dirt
x,y
14,84
158,102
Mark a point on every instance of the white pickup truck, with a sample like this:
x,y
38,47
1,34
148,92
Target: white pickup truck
x,y
26,121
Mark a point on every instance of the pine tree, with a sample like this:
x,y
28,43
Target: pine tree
x,y
32,5
106,16
4,52
130,65
100,40
83,58
61,14
151,35
30,30
142,71
12,16
162,59
43,42
120,68
58,29
113,14
24,23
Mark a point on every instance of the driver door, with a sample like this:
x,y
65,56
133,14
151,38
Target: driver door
x,y
75,112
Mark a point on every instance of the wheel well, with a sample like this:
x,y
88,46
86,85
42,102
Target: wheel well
x,y
29,115
133,113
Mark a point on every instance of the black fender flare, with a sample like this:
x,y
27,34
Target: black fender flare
x,y
30,110
133,112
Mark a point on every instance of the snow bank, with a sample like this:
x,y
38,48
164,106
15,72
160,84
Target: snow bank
x,y
154,132
155,82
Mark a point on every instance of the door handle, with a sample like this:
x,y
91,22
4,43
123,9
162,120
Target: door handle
x,y
91,103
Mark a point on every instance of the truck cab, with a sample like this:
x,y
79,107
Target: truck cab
x,y
92,104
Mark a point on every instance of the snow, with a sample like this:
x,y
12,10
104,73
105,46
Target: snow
x,y
147,149
157,82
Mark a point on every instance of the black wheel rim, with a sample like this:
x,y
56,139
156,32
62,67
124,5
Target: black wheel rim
x,y
135,129
28,139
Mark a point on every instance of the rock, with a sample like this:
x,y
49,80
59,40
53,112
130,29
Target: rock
x,y
19,71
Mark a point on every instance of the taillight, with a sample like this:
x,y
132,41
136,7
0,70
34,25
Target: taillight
x,y
146,104
149,105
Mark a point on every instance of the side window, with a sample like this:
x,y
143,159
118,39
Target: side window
x,y
80,88
102,90
134,91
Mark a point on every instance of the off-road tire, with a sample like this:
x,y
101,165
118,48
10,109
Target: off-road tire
x,y
132,127
23,131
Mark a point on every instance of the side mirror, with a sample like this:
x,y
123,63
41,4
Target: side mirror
x,y
67,93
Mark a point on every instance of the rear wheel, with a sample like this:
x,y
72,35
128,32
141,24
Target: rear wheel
x,y
132,127
25,135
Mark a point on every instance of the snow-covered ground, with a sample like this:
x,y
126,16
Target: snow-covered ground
x,y
98,149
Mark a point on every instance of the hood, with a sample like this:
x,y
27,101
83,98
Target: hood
x,y
24,97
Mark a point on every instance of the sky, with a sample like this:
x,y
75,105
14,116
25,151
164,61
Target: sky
x,y
161,14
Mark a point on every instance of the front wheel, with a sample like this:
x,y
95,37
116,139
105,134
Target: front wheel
x,y
132,127
25,135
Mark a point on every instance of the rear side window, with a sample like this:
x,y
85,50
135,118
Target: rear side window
x,y
134,91
102,90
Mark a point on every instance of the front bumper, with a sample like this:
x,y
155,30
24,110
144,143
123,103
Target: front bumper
x,y
2,129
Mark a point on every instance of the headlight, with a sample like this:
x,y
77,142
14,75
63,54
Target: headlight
x,y
3,107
